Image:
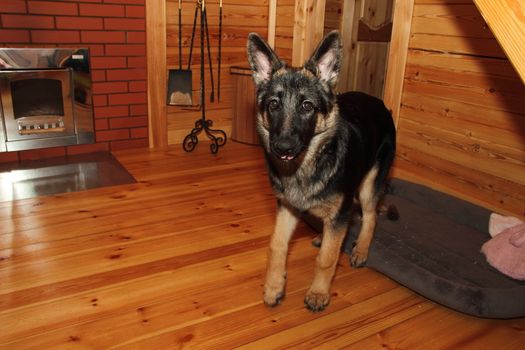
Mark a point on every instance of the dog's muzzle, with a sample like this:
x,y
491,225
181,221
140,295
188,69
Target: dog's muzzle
x,y
286,148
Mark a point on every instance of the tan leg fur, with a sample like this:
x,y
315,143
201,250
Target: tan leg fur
x,y
274,286
368,199
318,296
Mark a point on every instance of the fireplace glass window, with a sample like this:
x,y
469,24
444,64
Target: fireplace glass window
x,y
37,103
37,98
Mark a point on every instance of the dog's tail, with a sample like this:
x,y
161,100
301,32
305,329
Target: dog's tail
x,y
384,158
391,213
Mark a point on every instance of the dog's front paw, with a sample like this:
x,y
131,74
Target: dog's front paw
x,y
316,301
273,296
358,257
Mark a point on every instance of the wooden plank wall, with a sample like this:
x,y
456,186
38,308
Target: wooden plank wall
x,y
284,29
240,17
462,118
332,16
364,62
308,29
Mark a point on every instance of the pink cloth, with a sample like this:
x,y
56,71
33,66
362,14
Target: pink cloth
x,y
498,223
506,250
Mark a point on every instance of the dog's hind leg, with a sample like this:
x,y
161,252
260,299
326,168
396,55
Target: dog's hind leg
x,y
274,286
368,197
318,296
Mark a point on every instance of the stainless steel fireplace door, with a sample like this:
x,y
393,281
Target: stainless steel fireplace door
x,y
46,104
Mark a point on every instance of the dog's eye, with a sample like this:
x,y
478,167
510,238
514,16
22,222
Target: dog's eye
x,y
274,105
307,106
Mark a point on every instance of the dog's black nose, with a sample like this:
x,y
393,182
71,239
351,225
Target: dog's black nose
x,y
285,148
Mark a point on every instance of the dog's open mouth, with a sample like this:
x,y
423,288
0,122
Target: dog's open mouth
x,y
286,152
287,158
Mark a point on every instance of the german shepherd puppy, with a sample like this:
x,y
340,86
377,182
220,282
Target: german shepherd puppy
x,y
322,150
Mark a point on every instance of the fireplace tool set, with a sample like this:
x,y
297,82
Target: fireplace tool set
x,y
180,80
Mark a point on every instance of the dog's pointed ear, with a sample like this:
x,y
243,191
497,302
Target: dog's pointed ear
x,y
262,59
325,62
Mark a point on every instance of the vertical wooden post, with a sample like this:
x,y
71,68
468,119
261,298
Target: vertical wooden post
x,y
347,28
397,57
308,29
157,72
272,14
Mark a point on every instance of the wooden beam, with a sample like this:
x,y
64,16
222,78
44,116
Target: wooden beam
x,y
506,19
157,73
347,29
272,15
397,56
308,29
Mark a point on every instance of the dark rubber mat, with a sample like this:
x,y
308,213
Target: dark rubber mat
x,y
434,248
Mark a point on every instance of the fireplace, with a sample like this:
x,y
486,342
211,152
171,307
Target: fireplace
x,y
45,98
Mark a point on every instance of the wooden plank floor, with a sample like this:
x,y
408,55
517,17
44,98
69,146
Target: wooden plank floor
x,y
177,261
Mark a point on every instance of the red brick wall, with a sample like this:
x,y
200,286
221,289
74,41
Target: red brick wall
x,y
115,33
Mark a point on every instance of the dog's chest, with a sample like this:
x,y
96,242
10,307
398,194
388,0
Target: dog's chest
x,y
300,192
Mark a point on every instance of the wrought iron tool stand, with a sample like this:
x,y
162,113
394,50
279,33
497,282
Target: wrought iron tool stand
x,y
217,137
